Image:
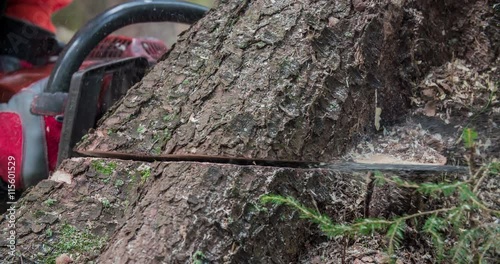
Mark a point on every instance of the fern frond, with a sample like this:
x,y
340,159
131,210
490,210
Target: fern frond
x,y
462,251
449,189
397,181
270,198
395,235
368,226
471,244
437,188
491,169
491,238
484,238
469,137
379,178
455,217
338,230
433,226
467,195
402,183
323,221
494,168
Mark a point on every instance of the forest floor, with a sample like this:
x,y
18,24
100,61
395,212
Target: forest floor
x,y
451,98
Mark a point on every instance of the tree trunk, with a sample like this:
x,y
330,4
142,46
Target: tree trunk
x,y
281,80
286,80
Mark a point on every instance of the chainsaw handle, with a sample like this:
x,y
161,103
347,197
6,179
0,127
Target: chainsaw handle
x,y
97,29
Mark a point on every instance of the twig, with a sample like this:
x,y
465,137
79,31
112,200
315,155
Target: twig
x,y
362,254
482,206
483,176
404,218
344,249
314,202
405,184
369,193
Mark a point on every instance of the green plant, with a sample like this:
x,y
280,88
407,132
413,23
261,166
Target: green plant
x,y
168,117
119,183
110,131
48,232
132,177
106,203
106,168
198,257
38,213
167,135
156,150
71,240
49,202
145,172
465,219
469,137
141,129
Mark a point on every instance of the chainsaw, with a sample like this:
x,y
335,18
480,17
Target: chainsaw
x,y
52,94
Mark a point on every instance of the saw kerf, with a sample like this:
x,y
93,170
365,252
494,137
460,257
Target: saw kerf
x,y
337,166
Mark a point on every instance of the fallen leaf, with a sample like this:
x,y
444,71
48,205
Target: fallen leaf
x,y
367,259
332,21
61,176
430,108
64,259
378,111
487,144
429,93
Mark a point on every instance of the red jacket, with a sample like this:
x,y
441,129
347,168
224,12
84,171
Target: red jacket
x,y
38,12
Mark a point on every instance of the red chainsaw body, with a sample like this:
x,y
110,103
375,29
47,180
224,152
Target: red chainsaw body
x,y
113,47
111,51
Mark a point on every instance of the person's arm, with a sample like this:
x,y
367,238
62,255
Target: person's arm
x,y
37,12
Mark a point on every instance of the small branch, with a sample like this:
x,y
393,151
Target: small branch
x,y
344,249
476,174
369,193
404,218
483,176
404,184
442,210
314,201
470,164
482,206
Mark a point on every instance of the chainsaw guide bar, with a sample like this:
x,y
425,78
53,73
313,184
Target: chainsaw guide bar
x,y
337,166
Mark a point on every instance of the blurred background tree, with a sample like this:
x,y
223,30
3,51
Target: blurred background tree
x,y
74,16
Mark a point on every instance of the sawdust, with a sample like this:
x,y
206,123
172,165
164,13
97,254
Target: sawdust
x,y
450,98
61,176
408,143
456,88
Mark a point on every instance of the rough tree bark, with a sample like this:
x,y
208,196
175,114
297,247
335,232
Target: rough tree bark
x,y
284,79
